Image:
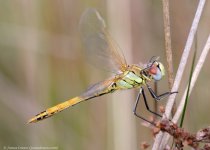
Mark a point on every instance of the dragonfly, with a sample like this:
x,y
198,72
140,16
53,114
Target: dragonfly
x,y
100,45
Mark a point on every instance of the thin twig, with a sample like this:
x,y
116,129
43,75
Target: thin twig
x,y
194,78
168,48
157,144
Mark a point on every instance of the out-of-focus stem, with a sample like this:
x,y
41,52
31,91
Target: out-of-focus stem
x,y
168,49
194,78
157,144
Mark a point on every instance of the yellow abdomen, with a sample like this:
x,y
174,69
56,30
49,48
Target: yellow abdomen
x,y
55,109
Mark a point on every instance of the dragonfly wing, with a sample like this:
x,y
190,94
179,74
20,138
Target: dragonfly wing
x,y
100,47
98,89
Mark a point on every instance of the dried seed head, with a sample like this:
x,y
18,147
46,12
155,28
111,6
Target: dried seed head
x,y
144,145
162,109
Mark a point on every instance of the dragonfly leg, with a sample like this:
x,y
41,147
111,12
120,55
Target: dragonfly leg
x,y
147,106
141,91
158,97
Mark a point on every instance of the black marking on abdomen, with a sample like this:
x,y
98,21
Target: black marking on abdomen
x,y
114,85
40,118
40,113
45,116
54,112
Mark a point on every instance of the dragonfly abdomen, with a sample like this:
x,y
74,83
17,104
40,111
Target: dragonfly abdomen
x,y
53,110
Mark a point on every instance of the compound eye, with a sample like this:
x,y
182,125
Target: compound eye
x,y
156,72
153,69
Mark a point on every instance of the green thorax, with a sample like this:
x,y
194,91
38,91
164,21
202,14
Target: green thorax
x,y
131,78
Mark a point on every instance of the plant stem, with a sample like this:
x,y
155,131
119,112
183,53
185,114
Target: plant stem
x,y
168,48
158,144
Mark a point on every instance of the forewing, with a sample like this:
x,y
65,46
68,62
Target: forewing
x,y
101,50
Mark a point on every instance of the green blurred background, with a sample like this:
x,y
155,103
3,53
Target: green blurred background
x,y
42,63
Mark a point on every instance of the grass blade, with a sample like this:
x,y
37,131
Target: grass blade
x,y
188,90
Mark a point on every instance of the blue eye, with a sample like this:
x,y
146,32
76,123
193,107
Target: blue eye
x,y
158,75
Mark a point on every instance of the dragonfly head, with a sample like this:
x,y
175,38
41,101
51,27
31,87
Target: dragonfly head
x,y
157,70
